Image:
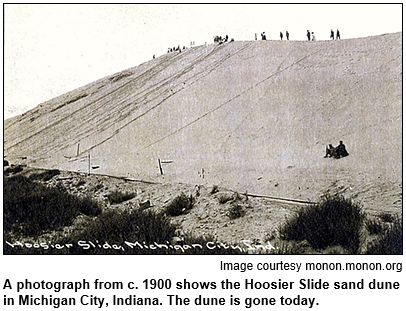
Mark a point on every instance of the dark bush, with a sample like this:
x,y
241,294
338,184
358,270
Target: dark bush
x,y
374,226
142,230
13,169
387,217
236,211
214,189
118,227
116,197
80,182
45,176
389,242
30,207
5,163
179,205
225,197
333,221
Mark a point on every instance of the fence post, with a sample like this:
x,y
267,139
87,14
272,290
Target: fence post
x,y
160,166
89,165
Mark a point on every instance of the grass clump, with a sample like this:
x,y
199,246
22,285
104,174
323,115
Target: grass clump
x,y
387,217
45,176
31,208
389,242
118,227
374,226
236,211
180,205
333,221
142,230
116,196
225,197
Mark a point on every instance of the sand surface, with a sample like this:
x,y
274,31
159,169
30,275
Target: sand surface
x,y
249,116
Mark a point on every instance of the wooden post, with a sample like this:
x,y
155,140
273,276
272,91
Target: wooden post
x,y
77,151
160,167
89,165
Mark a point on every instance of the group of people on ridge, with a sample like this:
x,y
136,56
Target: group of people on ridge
x,y
219,39
287,35
310,36
338,36
336,152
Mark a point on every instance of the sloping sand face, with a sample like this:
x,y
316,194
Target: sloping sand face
x,y
252,116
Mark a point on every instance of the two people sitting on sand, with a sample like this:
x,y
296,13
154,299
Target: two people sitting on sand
x,y
336,152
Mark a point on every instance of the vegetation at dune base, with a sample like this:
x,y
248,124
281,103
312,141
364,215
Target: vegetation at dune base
x,y
31,208
235,211
45,176
117,227
33,212
13,169
180,205
389,241
374,226
387,217
116,197
140,229
334,221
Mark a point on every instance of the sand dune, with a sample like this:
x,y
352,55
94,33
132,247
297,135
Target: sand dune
x,y
252,116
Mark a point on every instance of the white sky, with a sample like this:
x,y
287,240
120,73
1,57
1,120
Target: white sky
x,y
52,49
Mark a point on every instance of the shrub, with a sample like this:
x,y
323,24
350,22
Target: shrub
x,y
333,221
116,197
236,211
45,176
387,217
374,226
225,197
389,242
214,189
5,163
179,205
30,207
142,229
80,182
13,169
117,227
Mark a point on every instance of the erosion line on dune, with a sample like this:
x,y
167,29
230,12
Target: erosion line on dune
x,y
214,66
145,76
97,100
222,105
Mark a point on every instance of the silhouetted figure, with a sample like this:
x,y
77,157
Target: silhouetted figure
x,y
226,39
308,35
330,151
332,34
255,37
263,36
313,37
281,35
287,36
338,36
340,151
153,56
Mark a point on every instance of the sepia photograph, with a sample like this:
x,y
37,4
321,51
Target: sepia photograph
x,y
202,129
